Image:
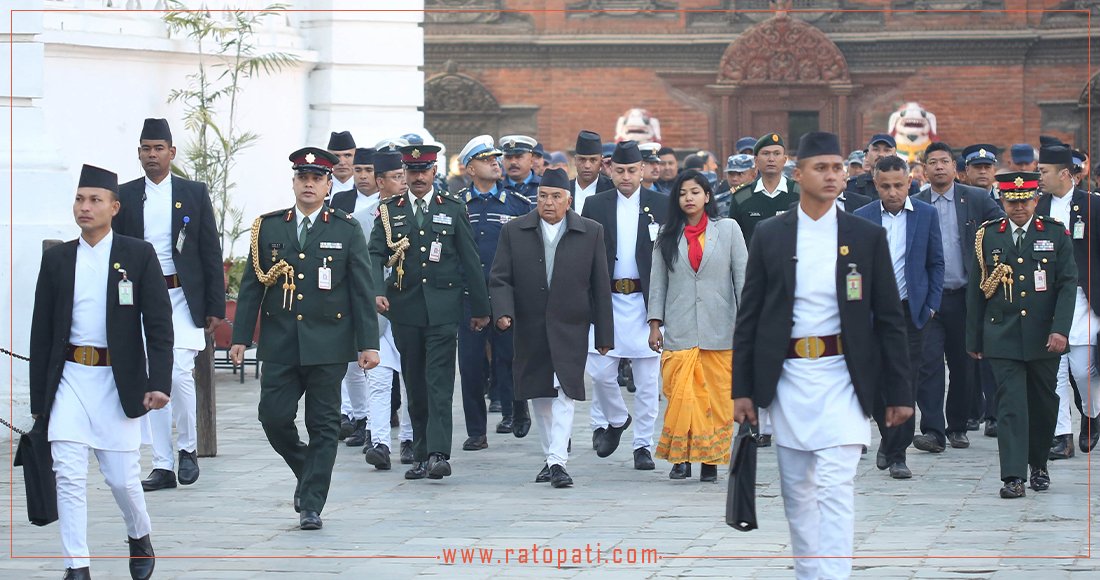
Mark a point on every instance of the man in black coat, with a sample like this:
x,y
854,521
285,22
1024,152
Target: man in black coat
x,y
92,373
175,216
630,215
811,272
549,283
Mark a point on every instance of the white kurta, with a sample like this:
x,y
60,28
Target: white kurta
x,y
581,194
87,408
815,404
387,350
158,232
631,316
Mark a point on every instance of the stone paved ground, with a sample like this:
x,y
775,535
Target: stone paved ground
x,y
237,521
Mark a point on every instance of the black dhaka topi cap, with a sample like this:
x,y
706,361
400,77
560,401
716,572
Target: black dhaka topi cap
x,y
818,143
589,143
341,141
555,178
92,176
364,156
626,152
1055,155
156,130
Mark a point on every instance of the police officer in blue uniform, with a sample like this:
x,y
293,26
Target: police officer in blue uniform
x,y
490,205
519,161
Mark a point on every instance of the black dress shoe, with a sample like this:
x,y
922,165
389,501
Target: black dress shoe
x,y
407,453
1013,489
881,461
928,442
596,436
1090,434
643,460
77,574
544,474
899,470
559,478
973,424
494,406
379,457
360,435
991,428
680,471
521,420
708,473
1063,447
1040,479
438,467
188,466
958,440
310,520
609,441
159,479
142,558
765,441
419,470
505,425
475,443
346,426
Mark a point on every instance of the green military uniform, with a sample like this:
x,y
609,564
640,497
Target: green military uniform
x,y
1031,287
750,207
425,293
308,333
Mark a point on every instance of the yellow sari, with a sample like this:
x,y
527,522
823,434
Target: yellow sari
x,y
698,426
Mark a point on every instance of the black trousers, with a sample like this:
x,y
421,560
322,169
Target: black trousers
x,y
895,440
428,367
945,338
281,387
1027,413
476,370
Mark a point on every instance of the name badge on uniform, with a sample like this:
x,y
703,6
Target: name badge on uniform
x,y
1040,280
754,214
442,218
332,245
854,284
435,252
1044,246
1078,229
125,290
654,228
324,276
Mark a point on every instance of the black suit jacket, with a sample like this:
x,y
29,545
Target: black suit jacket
x,y
1088,271
973,207
344,200
199,266
601,208
872,329
853,200
152,310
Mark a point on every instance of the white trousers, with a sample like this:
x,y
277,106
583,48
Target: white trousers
x,y
819,501
379,397
180,410
353,393
122,472
606,392
554,419
1080,362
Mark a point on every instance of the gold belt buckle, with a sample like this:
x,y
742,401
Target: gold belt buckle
x,y
810,347
84,353
624,286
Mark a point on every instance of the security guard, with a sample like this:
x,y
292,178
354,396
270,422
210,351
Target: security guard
x,y
309,275
981,164
519,162
1019,310
489,206
426,238
881,145
768,195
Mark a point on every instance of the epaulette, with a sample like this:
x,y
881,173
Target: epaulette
x,y
1046,218
743,186
277,212
396,199
519,195
439,197
993,221
341,214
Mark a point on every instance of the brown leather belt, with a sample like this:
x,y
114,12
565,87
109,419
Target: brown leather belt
x,y
92,356
173,281
626,285
814,347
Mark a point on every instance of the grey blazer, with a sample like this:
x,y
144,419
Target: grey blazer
x,y
699,308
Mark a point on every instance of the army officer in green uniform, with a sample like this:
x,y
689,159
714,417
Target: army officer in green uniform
x,y
1019,309
308,279
426,238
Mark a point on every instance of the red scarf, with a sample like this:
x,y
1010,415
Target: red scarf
x,y
695,247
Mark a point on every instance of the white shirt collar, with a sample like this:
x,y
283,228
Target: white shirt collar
x,y
312,217
824,221
634,200
907,207
551,229
781,188
427,198
104,244
165,184
1024,227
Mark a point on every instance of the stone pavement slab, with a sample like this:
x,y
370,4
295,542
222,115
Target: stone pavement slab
x,y
237,521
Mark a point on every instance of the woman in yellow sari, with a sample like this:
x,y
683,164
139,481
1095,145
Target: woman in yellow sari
x,y
695,286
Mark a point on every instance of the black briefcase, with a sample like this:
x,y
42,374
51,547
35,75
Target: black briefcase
x,y
741,487
34,455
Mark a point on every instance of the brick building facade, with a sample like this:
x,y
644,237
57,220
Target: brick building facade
x,y
998,71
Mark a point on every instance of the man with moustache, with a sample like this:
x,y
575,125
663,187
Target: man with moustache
x,y
651,164
548,283
880,145
426,238
812,272
342,146
768,195
631,216
519,160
